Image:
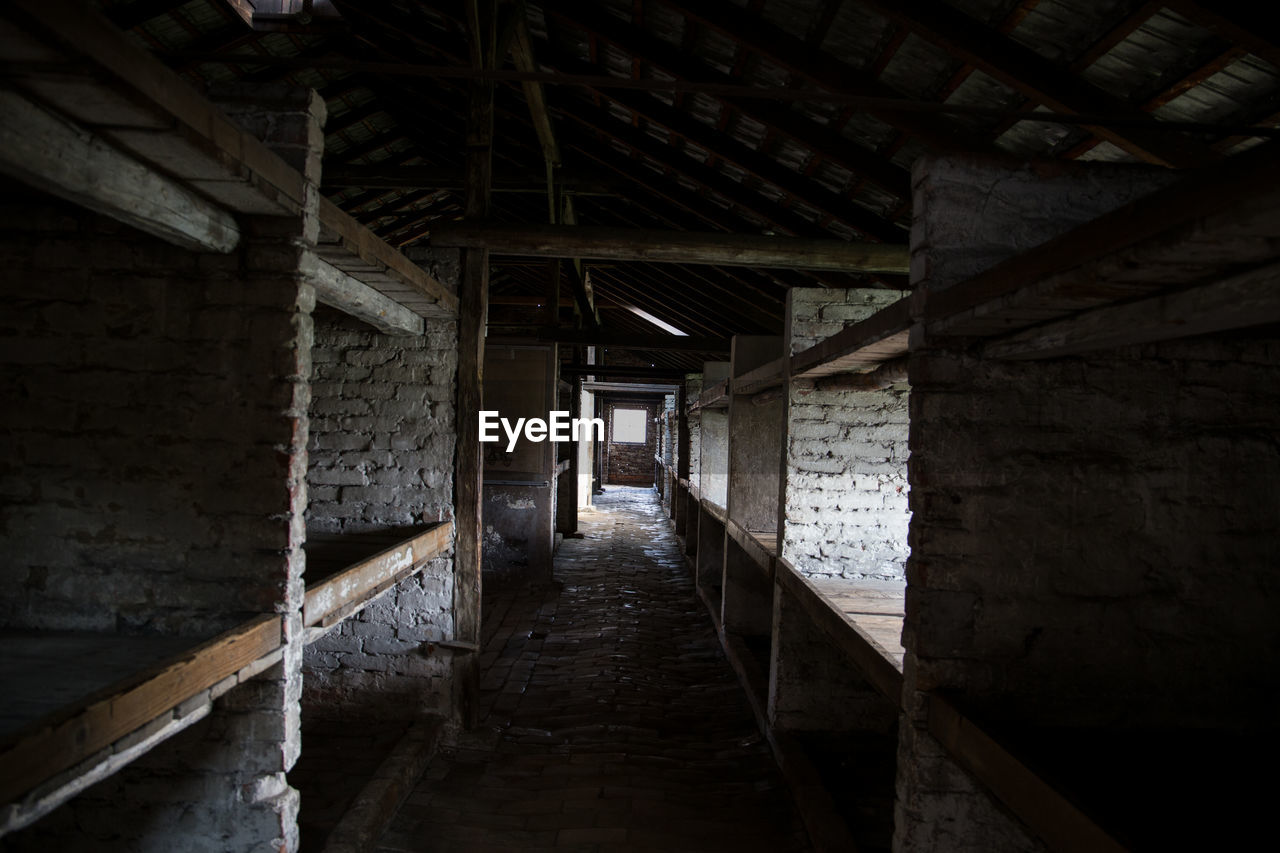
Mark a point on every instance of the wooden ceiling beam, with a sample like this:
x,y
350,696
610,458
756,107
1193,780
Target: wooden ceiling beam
x,y
755,163
717,311
393,176
616,340
1024,70
624,244
680,196
803,60
743,295
1237,21
645,297
884,173
703,176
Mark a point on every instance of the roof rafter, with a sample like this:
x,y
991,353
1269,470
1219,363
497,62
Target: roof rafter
x,y
855,158
1024,70
801,59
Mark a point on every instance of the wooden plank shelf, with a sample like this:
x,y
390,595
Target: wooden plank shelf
x,y
877,608
1026,793
760,546
78,707
1207,226
762,378
879,338
361,254
714,510
715,397
866,647
1197,257
367,565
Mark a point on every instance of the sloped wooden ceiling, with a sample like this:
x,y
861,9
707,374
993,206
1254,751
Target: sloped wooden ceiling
x,y
769,117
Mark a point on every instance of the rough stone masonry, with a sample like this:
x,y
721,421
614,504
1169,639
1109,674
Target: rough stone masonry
x,y
846,512
382,440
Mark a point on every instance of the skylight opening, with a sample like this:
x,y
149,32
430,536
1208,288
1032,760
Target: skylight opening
x,y
666,327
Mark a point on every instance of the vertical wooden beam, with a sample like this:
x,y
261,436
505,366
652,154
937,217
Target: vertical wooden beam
x,y
575,409
473,311
551,311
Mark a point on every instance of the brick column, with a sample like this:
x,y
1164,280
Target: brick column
x,y
983,534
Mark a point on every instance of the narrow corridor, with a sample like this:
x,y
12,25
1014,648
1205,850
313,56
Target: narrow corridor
x,y
611,720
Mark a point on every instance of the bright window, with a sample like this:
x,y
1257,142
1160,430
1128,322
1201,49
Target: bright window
x,y
630,425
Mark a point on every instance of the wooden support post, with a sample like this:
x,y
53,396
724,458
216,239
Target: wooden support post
x,y
473,310
571,514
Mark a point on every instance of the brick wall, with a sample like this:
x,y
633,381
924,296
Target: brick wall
x,y
693,388
382,446
1035,489
630,464
155,425
669,431
846,511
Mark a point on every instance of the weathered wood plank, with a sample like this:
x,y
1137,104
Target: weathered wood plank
x,y
380,255
68,737
340,290
1249,299
370,577
1209,222
146,79
878,338
1024,70
879,665
1054,818
715,397
684,247
765,376
754,545
53,154
620,340
473,312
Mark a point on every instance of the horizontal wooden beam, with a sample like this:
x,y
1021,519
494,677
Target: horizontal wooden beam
x,y
678,247
623,371
1249,299
629,388
626,340
341,595
1026,71
337,289
72,735
1135,121
354,249
856,644
1047,812
1207,225
866,343
47,151
430,177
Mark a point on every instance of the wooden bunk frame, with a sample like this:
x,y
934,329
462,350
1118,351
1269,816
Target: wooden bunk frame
x,y
350,590
1098,285
58,754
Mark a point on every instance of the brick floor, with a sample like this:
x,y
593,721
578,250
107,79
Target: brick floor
x,y
612,720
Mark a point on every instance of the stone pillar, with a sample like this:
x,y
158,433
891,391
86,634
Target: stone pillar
x,y
163,433
1004,466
